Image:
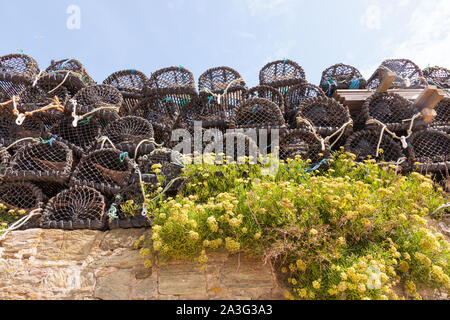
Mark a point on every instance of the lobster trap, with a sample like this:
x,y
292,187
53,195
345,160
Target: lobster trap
x,y
21,196
46,161
210,113
341,76
175,84
295,96
17,72
221,90
409,75
326,117
131,132
392,110
81,139
303,143
70,73
162,114
10,131
269,93
281,75
257,113
131,84
442,119
106,170
102,100
437,76
373,144
77,208
429,150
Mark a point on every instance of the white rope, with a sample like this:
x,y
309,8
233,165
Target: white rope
x,y
102,140
77,118
444,206
19,223
219,96
152,140
18,141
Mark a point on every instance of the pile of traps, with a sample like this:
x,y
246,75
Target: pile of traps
x,y
75,154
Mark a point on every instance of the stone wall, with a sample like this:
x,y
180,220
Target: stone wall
x,y
55,264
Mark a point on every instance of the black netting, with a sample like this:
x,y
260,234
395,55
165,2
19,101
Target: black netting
x,y
95,97
443,113
49,161
391,109
128,132
302,143
82,138
131,84
71,73
437,76
161,113
21,196
281,74
257,113
364,144
296,95
430,148
409,75
4,157
341,76
269,93
17,72
211,114
107,170
76,208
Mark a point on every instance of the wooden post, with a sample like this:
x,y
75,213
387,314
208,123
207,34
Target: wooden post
x,y
387,77
426,102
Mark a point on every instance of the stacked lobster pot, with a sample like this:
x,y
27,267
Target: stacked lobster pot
x,y
409,75
341,76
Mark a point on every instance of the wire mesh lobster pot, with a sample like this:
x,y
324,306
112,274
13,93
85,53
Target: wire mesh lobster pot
x,y
222,89
257,113
430,149
40,162
211,114
282,75
106,170
442,119
10,132
33,99
4,157
175,84
127,134
131,84
438,76
103,98
341,76
409,75
171,166
17,72
21,196
69,73
303,143
328,116
392,110
77,208
233,146
162,114
269,93
81,139
295,96
364,144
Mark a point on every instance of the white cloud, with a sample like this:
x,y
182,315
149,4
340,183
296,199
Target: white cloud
x,y
371,18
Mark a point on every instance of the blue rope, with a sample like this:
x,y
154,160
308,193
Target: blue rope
x,y
21,52
354,84
330,82
316,167
123,156
285,61
180,67
48,141
132,70
210,99
64,64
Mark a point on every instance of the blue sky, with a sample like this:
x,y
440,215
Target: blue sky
x,y
242,34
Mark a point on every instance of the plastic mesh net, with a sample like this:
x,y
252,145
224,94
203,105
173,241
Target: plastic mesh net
x,y
341,76
128,132
45,162
10,132
98,96
269,93
296,95
106,170
431,148
131,84
364,144
75,208
162,114
281,74
392,110
81,138
257,113
71,73
409,75
438,76
302,143
21,196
